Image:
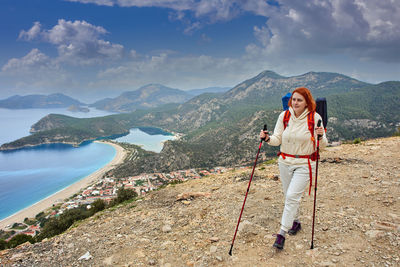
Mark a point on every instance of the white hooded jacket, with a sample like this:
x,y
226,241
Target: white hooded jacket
x,y
296,138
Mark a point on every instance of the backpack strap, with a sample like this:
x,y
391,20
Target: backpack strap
x,y
286,119
311,124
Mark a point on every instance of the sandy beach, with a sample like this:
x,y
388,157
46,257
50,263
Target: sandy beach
x,y
61,195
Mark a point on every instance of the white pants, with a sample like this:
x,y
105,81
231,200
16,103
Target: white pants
x,y
295,179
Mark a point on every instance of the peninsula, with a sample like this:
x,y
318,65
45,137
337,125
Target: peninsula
x,y
56,128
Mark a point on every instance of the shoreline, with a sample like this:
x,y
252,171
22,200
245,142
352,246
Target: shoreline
x,y
65,193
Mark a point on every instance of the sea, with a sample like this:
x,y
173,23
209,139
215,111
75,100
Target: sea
x,y
31,174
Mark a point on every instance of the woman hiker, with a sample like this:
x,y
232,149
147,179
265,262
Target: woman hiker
x,y
294,132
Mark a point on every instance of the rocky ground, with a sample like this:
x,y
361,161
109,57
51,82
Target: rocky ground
x,y
192,224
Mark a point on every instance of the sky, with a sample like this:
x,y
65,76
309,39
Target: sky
x,y
91,49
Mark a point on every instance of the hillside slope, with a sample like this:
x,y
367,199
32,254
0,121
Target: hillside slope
x,y
357,223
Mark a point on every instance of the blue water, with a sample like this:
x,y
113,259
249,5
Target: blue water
x,y
146,141
32,174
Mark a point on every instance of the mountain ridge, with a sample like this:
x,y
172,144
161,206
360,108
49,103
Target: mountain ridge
x,y
148,96
221,129
217,90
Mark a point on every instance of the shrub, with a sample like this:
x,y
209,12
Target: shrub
x,y
55,226
123,195
357,141
3,244
20,239
97,205
73,215
174,182
139,183
51,228
270,161
18,226
6,234
29,221
40,215
397,132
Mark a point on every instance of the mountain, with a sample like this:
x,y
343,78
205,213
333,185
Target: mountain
x,y
218,90
267,88
149,96
222,129
262,92
39,101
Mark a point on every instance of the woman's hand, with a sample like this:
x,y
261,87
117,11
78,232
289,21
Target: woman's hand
x,y
264,135
319,131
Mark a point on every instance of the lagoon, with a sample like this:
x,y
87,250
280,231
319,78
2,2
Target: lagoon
x,y
153,142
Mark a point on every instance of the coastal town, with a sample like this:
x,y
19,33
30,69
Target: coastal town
x,y
106,189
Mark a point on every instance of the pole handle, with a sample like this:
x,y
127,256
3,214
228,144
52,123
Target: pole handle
x,y
319,125
265,129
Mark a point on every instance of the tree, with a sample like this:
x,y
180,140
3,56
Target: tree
x,y
51,228
3,244
20,239
124,195
97,205
40,215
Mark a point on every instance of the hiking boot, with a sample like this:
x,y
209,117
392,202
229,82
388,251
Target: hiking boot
x,y
279,242
295,228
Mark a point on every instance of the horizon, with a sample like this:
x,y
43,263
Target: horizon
x,y
102,48
119,93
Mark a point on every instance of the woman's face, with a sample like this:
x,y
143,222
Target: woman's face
x,y
299,103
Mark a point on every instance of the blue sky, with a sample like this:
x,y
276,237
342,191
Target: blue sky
x,y
91,49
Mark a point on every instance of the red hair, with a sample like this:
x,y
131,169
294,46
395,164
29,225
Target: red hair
x,y
311,105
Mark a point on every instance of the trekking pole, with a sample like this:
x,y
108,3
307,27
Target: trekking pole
x,y
315,187
248,187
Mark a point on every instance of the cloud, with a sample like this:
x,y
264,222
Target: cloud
x,y
33,33
97,2
34,60
210,10
205,38
77,42
263,34
192,27
363,29
34,71
177,71
173,4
